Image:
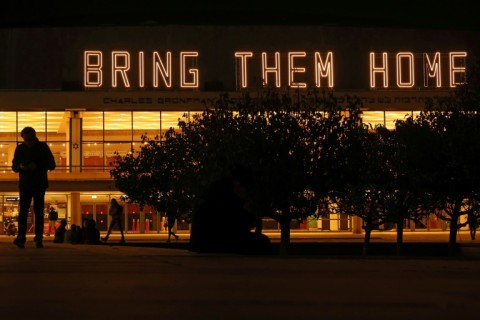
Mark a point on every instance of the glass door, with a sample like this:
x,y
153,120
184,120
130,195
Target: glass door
x,y
97,212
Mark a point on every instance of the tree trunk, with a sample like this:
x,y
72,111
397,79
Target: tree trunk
x,y
258,225
366,240
400,235
452,239
284,236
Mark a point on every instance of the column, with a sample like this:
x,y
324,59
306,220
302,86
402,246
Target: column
x,y
75,138
356,225
74,208
142,221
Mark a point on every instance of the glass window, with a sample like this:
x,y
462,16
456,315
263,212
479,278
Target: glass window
x,y
92,126
8,126
146,123
59,150
170,119
51,127
57,137
391,117
57,126
373,118
93,158
6,156
37,120
118,125
136,145
111,148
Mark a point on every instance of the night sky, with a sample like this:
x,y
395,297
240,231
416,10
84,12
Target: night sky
x,y
417,14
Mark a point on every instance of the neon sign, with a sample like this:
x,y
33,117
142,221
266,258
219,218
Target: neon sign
x,y
404,69
120,69
295,69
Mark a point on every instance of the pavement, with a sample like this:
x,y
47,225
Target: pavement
x,y
150,279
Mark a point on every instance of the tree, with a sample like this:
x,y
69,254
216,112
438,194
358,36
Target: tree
x,y
291,145
447,148
266,136
443,143
301,141
157,174
363,190
402,200
376,186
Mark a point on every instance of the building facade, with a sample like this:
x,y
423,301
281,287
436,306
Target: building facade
x,y
91,92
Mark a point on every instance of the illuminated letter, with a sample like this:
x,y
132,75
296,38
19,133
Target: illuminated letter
x,y
141,69
457,69
193,72
243,67
292,69
382,70
411,72
120,68
432,69
275,70
324,69
92,69
165,71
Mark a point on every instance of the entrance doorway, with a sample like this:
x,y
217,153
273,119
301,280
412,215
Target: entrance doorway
x,y
97,212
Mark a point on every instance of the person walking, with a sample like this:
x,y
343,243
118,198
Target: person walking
x,y
32,160
115,212
52,220
171,219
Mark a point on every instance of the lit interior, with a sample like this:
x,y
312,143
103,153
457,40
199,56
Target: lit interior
x,y
110,132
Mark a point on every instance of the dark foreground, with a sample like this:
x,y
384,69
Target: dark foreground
x,y
144,280
352,250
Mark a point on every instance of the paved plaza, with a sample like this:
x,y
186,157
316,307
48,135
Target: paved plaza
x,y
150,279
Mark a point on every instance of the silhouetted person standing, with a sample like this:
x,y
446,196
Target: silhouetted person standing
x,y
52,220
32,160
115,212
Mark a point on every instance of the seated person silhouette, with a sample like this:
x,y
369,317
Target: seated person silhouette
x,y
60,232
221,223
